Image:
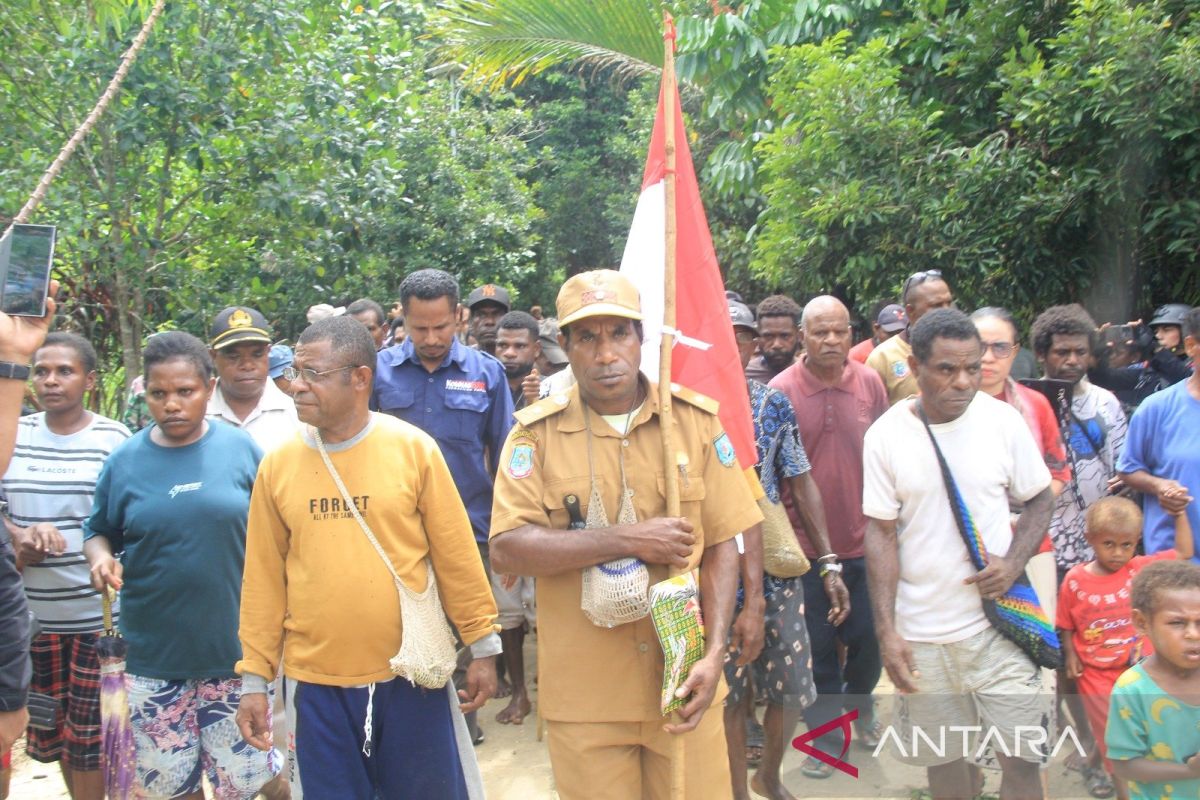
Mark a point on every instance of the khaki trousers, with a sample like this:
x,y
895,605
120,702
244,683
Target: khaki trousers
x,y
628,760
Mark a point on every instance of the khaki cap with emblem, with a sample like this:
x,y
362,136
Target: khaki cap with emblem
x,y
598,293
238,324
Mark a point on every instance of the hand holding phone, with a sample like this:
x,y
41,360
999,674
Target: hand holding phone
x,y
26,255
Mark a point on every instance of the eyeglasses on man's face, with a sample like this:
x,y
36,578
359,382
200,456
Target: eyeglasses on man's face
x,y
291,374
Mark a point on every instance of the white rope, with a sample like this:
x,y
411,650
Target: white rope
x,y
367,733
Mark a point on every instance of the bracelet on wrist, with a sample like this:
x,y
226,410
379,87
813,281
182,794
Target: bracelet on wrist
x,y
833,567
827,557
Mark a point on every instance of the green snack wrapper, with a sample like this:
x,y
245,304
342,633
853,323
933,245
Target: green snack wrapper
x,y
675,609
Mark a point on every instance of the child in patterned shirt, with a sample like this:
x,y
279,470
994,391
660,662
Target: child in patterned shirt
x,y
1153,733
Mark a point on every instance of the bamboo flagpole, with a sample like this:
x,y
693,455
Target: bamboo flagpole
x,y
665,416
670,477
85,128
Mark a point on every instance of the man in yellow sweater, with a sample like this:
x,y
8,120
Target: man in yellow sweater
x,y
318,595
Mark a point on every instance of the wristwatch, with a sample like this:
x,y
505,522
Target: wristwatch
x,y
17,372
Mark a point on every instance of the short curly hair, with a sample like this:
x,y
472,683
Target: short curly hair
x,y
429,284
82,347
1113,513
1159,577
1068,320
779,305
941,323
170,345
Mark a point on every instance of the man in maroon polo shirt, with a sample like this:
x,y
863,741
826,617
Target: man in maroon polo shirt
x,y
836,400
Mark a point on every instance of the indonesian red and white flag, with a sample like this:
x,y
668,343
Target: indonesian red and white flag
x,y
704,357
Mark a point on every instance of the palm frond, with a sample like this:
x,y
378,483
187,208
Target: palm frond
x,y
502,42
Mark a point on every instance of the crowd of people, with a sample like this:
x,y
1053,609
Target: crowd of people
x,y
287,529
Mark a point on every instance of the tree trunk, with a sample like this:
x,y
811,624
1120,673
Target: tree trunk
x,y
128,327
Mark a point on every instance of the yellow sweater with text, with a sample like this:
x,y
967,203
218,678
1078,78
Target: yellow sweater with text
x,y
316,592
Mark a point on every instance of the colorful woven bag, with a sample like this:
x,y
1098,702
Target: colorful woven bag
x,y
1016,614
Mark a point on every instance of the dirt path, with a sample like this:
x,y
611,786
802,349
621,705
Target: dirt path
x,y
516,767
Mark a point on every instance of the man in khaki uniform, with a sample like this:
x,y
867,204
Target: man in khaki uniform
x,y
923,292
600,687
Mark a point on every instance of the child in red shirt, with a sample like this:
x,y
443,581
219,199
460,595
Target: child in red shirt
x,y
1094,608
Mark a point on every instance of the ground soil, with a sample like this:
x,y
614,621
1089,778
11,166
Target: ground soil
x,y
516,767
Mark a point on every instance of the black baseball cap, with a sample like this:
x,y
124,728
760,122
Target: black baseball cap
x,y
239,324
490,293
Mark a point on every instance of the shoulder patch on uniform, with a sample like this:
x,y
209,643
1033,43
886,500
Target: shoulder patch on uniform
x,y
520,463
543,408
724,449
695,398
519,435
899,369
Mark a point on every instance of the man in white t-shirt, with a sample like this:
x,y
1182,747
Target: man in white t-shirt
x,y
245,398
939,649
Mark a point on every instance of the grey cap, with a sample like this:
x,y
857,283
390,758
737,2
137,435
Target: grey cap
x,y
892,318
548,337
741,316
1170,314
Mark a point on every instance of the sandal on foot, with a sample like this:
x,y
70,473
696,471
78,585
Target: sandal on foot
x,y
812,768
1097,782
869,735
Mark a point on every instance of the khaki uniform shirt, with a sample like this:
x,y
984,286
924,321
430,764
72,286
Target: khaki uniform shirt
x,y
272,422
589,673
890,360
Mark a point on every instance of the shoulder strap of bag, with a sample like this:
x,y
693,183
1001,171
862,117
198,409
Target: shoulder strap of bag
x,y
349,501
958,507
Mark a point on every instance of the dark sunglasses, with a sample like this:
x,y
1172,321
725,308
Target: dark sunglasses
x,y
916,279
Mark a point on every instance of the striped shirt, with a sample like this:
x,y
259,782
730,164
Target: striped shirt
x,y
52,479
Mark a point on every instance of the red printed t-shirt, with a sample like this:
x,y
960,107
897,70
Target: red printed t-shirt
x,y
833,421
1096,609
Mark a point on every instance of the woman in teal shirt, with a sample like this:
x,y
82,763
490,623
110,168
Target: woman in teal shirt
x,y
172,503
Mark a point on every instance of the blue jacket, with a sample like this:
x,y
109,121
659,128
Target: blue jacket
x,y
464,405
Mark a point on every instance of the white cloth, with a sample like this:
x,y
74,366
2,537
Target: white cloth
x,y
52,479
993,458
272,422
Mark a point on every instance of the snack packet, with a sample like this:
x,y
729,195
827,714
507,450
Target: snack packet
x,y
675,609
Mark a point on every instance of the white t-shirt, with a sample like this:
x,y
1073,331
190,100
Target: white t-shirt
x,y
52,479
993,458
272,422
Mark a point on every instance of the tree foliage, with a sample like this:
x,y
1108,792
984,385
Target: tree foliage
x,y
1036,169
271,153
503,42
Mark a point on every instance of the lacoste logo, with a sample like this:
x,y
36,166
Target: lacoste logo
x,y
179,488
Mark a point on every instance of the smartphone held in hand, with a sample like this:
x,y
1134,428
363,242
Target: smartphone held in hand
x,y
26,254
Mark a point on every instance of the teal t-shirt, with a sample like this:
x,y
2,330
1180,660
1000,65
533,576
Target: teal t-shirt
x,y
179,516
1146,722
